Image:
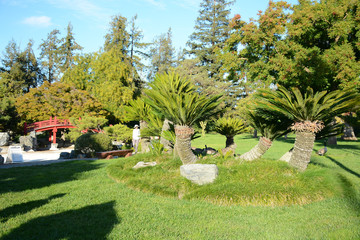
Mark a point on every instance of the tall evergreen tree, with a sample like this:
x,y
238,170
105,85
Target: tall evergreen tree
x,y
211,31
19,72
162,55
67,49
136,46
112,83
50,56
117,37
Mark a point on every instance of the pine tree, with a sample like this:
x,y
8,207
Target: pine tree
x,y
67,49
50,56
117,37
137,47
211,31
162,55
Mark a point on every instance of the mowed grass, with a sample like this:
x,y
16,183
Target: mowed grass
x,y
78,200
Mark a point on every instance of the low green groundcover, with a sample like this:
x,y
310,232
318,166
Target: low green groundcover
x,y
258,183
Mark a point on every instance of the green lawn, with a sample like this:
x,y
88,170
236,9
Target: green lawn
x,y
78,200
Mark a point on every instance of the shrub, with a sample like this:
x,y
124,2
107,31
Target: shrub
x,y
90,143
119,132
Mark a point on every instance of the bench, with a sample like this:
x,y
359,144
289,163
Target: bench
x,y
111,154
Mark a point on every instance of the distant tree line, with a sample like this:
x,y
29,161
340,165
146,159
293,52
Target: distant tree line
x,y
312,44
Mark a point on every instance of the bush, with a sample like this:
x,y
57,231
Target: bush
x,y
90,143
119,132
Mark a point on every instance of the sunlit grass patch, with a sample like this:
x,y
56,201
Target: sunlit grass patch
x,y
257,183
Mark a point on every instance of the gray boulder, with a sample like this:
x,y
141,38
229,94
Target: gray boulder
x,y
200,173
4,138
29,142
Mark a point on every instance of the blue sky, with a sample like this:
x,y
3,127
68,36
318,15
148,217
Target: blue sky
x,y
22,20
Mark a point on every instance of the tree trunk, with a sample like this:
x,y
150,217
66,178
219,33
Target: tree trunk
x,y
303,148
229,141
164,141
183,144
332,140
144,141
349,133
257,151
255,134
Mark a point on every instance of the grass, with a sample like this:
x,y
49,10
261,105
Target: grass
x,y
257,183
78,200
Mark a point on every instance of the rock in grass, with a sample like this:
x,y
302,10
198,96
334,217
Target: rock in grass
x,y
144,164
200,173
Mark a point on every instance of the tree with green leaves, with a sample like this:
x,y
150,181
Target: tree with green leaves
x,y
49,55
311,44
57,99
18,74
117,36
230,127
67,49
86,124
175,98
211,32
137,51
270,125
80,73
112,83
162,55
308,112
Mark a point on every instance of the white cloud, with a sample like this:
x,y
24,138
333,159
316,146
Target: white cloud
x,y
82,7
40,21
156,3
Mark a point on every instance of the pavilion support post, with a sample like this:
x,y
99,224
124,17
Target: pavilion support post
x,y
54,145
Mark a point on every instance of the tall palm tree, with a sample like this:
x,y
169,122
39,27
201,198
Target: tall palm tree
x,y
230,127
270,126
176,99
308,111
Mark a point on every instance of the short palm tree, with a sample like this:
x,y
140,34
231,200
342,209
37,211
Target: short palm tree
x,y
230,127
176,99
270,125
308,112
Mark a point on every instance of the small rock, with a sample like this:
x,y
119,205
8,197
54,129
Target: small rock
x,y
144,164
200,173
64,155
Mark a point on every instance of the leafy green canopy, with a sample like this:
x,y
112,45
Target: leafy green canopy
x,y
229,126
309,106
175,98
270,125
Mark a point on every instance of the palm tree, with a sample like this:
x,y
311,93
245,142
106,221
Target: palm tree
x,y
176,99
270,125
230,127
308,112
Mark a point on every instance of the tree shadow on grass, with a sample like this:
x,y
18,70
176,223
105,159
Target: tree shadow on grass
x,y
23,208
91,222
351,196
344,167
25,178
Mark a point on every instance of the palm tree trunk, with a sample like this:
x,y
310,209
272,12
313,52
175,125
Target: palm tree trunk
x,y
144,141
164,141
257,151
229,141
303,147
183,144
